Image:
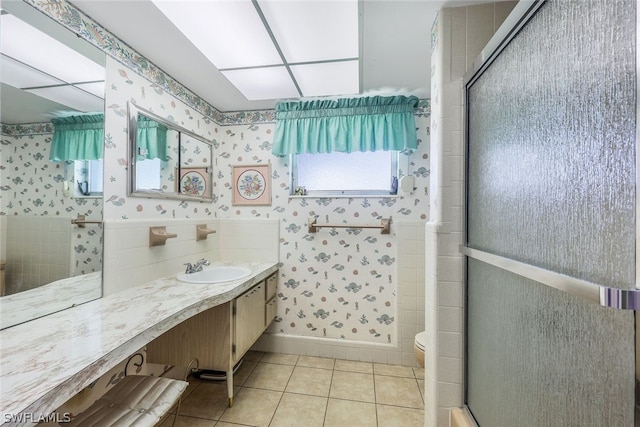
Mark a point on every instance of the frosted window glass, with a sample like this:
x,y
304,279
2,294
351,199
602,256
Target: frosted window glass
x,y
354,171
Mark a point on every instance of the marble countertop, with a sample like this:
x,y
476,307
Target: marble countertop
x,y
46,299
45,362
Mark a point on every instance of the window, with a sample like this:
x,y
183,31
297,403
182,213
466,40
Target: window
x,y
371,173
88,178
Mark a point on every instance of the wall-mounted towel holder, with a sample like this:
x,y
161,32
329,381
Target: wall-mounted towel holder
x,y
385,225
158,236
81,221
202,232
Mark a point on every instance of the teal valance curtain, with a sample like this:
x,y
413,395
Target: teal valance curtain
x,y
77,138
345,125
151,139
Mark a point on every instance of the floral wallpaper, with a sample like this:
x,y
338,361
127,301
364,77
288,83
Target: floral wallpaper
x,y
336,283
124,86
34,186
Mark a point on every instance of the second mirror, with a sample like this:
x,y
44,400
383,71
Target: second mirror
x,y
166,160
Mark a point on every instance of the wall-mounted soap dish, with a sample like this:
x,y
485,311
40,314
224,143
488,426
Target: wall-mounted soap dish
x,y
202,232
158,236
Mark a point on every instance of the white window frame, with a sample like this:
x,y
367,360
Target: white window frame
x,y
94,180
399,163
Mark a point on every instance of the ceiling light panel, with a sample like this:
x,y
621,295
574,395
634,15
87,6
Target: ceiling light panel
x,y
96,88
19,75
24,43
229,33
329,78
71,97
263,83
314,30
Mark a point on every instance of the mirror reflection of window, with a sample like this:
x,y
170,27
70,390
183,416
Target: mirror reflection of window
x,y
48,74
148,174
87,176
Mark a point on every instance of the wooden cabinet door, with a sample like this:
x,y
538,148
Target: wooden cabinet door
x,y
249,319
272,283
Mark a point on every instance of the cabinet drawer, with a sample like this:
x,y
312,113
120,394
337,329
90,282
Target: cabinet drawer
x,y
271,310
272,282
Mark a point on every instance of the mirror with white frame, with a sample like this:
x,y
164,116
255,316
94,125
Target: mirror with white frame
x,y
166,160
50,260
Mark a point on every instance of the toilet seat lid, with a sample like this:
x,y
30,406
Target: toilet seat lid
x,y
421,340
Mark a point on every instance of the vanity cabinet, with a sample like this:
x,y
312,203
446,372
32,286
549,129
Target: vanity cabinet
x,y
220,336
249,320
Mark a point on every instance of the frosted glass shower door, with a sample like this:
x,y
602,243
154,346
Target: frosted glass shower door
x,y
551,187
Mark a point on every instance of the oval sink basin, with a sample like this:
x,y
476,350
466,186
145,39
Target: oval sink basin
x,y
217,274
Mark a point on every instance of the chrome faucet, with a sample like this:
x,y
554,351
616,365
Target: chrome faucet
x,y
194,268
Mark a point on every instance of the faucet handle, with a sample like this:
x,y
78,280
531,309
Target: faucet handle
x,y
189,268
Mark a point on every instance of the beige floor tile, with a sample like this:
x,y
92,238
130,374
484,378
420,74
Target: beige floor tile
x,y
352,386
316,362
188,422
396,416
193,383
313,381
419,373
254,356
353,366
280,358
223,424
421,387
296,410
208,401
252,407
347,413
243,372
393,370
398,391
269,376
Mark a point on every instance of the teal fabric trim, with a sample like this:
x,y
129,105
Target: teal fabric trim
x,y
151,140
345,125
77,138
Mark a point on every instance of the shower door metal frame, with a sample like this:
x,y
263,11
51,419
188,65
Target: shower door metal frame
x,y
626,299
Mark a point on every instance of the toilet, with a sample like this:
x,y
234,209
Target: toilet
x,y
418,347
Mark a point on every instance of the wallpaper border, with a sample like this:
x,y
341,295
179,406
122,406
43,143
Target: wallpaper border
x,y
72,18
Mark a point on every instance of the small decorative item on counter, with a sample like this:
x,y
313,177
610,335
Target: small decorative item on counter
x,y
300,191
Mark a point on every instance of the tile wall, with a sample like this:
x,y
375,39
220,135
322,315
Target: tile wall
x,y
131,262
458,36
34,189
39,251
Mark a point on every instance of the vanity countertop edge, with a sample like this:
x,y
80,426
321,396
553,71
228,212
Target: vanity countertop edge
x,y
46,361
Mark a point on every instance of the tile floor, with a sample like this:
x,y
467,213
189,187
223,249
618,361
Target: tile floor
x,y
278,390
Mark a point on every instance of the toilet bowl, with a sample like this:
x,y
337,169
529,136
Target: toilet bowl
x,y
418,347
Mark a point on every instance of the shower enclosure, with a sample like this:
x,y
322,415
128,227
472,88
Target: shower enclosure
x,y
551,218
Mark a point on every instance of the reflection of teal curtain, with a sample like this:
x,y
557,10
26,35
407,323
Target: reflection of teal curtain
x,y
346,125
77,138
151,140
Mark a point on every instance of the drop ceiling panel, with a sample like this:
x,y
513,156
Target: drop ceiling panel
x,y
41,51
263,83
72,97
329,78
314,30
19,75
229,33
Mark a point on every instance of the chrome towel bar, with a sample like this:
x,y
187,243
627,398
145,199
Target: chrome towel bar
x,y
384,226
81,222
625,299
